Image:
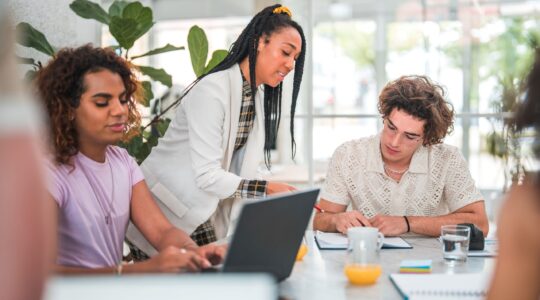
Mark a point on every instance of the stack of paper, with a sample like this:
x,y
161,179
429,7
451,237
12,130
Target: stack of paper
x,y
415,266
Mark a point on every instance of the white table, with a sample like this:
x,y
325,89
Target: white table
x,y
162,286
320,275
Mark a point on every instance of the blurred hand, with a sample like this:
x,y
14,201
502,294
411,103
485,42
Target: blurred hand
x,y
344,221
174,260
213,253
389,225
273,187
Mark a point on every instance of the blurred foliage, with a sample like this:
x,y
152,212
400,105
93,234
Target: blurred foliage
x,y
356,41
501,50
510,57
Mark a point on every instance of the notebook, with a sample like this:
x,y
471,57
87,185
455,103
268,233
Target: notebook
x,y
268,234
339,241
441,286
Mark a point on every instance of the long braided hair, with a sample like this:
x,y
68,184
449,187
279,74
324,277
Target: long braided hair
x,y
264,23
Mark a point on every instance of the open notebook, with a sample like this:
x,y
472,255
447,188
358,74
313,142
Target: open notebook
x,y
441,286
339,241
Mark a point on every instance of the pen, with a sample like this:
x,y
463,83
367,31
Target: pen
x,y
318,208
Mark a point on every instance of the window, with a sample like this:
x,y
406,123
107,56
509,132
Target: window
x,y
476,49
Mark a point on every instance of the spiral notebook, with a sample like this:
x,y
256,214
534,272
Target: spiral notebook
x,y
441,286
338,241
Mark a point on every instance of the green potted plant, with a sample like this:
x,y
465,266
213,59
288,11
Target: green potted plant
x,y
127,22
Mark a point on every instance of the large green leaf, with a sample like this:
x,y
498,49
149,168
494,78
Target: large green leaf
x,y
117,8
124,31
135,21
137,11
134,145
198,49
90,10
148,94
152,140
30,37
157,75
162,126
217,57
143,153
166,48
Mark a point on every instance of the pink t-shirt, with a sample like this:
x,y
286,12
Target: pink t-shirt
x,y
91,227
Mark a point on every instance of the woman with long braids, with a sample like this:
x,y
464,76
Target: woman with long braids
x,y
208,159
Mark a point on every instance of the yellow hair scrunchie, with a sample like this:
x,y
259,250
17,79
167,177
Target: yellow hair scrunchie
x,y
282,10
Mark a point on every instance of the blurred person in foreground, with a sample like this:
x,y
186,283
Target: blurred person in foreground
x,y
90,95
404,179
26,232
517,273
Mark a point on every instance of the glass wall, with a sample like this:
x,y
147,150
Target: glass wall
x,y
478,50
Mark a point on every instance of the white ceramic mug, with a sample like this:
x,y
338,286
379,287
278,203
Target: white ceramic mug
x,y
364,243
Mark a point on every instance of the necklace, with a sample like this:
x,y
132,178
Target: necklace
x,y
106,210
399,172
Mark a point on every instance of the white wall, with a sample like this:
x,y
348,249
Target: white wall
x,y
57,21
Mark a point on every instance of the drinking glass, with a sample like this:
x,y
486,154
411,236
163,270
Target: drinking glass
x,y
455,243
363,266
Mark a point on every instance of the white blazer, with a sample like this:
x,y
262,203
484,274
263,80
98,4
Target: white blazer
x,y
188,171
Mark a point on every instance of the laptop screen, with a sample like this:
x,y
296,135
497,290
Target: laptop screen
x,y
269,233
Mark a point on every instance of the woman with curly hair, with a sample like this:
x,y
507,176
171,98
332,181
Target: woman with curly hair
x,y
90,95
403,179
207,163
517,272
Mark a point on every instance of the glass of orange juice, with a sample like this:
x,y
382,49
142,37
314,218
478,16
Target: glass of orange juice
x,y
362,266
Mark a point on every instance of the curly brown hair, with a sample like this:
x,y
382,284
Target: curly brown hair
x,y
60,85
420,97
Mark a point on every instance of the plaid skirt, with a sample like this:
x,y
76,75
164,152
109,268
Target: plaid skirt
x,y
204,234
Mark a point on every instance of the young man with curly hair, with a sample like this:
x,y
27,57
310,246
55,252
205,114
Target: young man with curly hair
x,y
403,179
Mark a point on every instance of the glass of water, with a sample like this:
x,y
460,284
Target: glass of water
x,y
455,243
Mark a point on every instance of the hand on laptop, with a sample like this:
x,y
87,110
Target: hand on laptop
x,y
213,253
278,187
174,260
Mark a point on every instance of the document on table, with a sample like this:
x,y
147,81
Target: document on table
x,y
339,241
441,286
